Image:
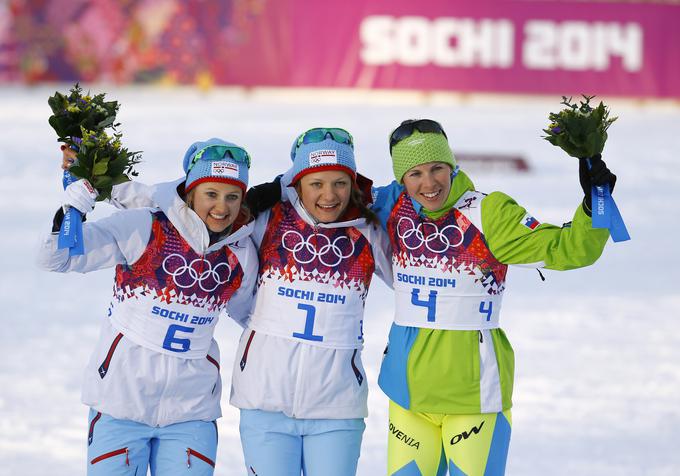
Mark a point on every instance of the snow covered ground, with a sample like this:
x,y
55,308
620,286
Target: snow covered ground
x,y
597,388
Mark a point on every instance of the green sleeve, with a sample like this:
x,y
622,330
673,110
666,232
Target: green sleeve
x,y
573,245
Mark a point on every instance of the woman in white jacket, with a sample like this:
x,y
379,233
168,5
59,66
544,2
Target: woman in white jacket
x,y
298,377
153,382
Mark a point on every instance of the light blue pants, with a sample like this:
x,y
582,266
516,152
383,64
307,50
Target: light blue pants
x,y
277,445
127,448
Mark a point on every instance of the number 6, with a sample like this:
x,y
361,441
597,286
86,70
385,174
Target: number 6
x,y
171,340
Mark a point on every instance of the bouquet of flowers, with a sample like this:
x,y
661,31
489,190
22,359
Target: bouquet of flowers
x,y
81,121
73,112
581,131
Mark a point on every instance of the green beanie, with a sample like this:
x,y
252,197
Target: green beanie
x,y
420,148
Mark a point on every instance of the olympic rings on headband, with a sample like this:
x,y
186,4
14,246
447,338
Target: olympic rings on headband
x,y
328,251
437,241
187,275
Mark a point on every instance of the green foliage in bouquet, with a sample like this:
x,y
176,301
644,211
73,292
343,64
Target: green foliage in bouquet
x,y
80,121
76,111
579,129
103,161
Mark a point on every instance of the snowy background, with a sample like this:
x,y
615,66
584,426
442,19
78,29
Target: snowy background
x,y
597,388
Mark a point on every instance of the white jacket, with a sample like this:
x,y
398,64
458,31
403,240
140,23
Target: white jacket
x,y
274,371
156,361
301,352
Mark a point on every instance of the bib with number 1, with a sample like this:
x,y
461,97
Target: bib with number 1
x,y
312,281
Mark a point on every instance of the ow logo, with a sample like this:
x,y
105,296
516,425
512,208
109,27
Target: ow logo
x,y
465,435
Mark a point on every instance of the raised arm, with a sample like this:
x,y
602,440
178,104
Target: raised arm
x,y
117,239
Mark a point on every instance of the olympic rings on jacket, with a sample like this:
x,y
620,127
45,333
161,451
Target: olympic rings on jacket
x,y
198,271
327,252
434,239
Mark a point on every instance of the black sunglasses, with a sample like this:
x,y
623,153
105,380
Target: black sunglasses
x,y
406,128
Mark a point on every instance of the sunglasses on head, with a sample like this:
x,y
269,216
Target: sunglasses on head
x,y
219,152
319,134
407,127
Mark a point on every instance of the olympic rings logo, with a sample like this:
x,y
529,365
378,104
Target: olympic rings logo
x,y
305,249
427,233
198,271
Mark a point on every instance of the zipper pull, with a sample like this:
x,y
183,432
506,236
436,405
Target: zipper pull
x,y
481,337
127,457
188,458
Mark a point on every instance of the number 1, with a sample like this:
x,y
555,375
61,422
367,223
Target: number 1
x,y
308,334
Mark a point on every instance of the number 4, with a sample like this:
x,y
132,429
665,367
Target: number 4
x,y
430,304
486,311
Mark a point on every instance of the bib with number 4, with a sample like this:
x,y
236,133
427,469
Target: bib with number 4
x,y
445,276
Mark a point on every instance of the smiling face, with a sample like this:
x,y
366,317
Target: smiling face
x,y
216,203
429,184
325,195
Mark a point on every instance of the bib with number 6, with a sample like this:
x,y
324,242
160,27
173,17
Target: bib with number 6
x,y
170,299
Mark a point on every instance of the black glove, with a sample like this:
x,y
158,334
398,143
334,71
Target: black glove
x,y
59,218
597,174
264,196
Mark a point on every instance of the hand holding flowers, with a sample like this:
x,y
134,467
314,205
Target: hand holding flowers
x,y
581,131
80,122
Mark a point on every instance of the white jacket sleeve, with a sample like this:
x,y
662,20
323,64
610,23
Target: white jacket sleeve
x,y
134,194
239,306
382,252
259,228
116,239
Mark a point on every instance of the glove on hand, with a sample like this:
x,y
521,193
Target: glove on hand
x,y
262,197
80,195
597,174
58,218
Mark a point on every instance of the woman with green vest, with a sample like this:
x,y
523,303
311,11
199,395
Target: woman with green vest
x,y
449,368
